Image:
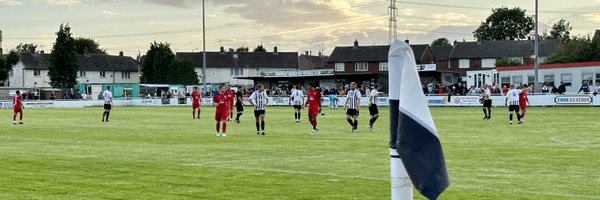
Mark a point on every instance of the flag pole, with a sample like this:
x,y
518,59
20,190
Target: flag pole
x,y
536,60
203,50
401,186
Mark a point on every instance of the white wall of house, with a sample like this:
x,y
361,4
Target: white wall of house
x,y
21,77
577,75
222,75
478,78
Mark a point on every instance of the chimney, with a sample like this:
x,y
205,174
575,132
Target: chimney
x,y
275,49
320,54
479,39
310,53
455,42
222,49
42,52
355,43
306,53
120,53
407,41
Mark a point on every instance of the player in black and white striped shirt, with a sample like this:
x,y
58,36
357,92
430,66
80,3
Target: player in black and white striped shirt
x,y
512,98
353,105
297,99
259,100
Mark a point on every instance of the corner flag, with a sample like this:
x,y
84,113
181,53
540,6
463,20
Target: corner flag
x,y
412,131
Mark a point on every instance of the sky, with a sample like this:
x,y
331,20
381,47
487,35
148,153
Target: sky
x,y
291,25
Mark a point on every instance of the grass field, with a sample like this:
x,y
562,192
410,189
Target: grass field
x,y
161,153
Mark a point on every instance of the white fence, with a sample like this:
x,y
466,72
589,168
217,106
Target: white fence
x,y
534,100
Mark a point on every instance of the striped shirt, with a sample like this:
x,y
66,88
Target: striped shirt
x,y
107,96
374,94
513,97
353,97
259,99
297,97
486,94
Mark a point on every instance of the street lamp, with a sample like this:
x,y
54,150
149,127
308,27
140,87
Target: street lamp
x,y
536,61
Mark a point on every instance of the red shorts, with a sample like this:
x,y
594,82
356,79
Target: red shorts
x,y
18,110
231,105
196,105
221,116
313,112
523,107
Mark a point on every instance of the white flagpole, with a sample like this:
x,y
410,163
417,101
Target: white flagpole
x,y
402,188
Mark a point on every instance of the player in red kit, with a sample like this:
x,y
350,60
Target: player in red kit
x,y
18,108
222,111
196,103
523,102
314,106
230,101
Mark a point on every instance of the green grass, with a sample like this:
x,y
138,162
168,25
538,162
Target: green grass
x,y
161,153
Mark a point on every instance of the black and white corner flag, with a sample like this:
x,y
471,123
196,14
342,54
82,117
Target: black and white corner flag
x,y
413,133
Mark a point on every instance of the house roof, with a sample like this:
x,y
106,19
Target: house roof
x,y
597,35
503,48
94,62
370,53
284,60
442,52
312,62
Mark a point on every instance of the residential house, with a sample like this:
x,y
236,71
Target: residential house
x,y
230,67
95,70
368,65
476,61
309,62
571,74
441,56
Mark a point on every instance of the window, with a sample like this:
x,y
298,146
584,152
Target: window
x,y
464,63
505,80
125,75
488,63
37,72
517,80
340,67
237,71
257,71
587,77
566,78
383,66
361,66
530,80
102,74
549,80
597,77
81,73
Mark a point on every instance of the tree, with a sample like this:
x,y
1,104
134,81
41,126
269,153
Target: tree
x,y
242,49
26,48
505,24
6,65
441,42
503,62
560,30
161,66
63,60
577,49
260,48
88,46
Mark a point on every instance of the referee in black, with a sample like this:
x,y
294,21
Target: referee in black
x,y
239,103
353,104
259,100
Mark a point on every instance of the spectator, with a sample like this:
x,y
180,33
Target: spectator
x,y
585,87
597,89
562,89
504,90
554,90
424,88
545,89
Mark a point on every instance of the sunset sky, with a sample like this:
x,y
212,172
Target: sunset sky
x,y
292,25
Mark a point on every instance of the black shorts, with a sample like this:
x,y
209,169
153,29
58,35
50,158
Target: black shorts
x,y
107,106
513,108
257,113
373,110
297,107
487,103
352,112
239,107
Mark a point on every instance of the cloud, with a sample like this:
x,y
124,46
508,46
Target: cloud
x,y
10,2
454,19
109,12
595,17
64,2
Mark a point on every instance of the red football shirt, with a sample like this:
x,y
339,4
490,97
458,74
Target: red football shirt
x,y
523,98
18,102
230,96
221,101
314,97
196,97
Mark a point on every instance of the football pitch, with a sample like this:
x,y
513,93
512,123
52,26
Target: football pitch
x,y
162,153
